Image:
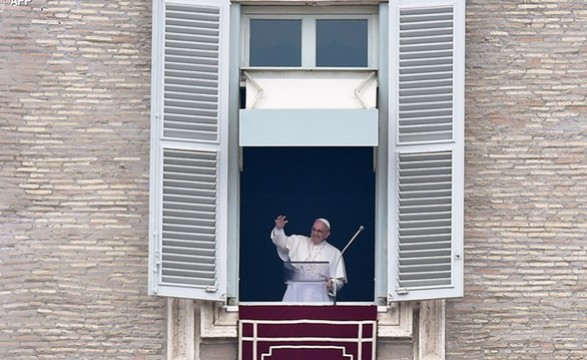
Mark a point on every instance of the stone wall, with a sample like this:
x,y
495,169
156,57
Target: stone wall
x,y
74,159
525,183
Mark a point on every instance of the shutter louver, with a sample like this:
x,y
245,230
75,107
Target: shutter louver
x,y
425,74
191,72
425,213
189,218
426,154
189,146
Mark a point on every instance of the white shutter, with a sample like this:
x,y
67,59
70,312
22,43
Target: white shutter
x,y
426,171
425,81
187,247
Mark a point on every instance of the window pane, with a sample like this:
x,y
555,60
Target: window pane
x,y
275,43
342,43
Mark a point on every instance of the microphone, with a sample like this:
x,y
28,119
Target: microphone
x,y
334,280
361,228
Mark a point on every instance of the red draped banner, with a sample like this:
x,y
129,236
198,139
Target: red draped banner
x,y
292,332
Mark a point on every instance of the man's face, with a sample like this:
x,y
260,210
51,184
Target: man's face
x,y
320,232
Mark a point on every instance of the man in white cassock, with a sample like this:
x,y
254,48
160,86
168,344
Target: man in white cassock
x,y
298,249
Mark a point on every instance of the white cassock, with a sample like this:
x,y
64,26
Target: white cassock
x,y
299,248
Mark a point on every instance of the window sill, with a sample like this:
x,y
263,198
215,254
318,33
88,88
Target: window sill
x,y
219,321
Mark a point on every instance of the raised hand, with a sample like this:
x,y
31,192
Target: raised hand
x,y
280,222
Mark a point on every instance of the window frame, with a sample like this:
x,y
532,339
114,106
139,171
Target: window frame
x,y
229,157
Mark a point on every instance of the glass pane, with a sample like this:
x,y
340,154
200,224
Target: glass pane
x,y
342,43
275,42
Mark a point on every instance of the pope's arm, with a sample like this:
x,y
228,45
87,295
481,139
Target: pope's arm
x,y
279,238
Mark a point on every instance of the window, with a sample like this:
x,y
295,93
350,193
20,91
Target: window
x,y
275,42
342,42
333,39
339,42
304,190
194,199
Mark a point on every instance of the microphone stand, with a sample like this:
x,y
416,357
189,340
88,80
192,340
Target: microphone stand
x,y
334,280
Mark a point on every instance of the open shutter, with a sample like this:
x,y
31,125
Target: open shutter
x,y
187,230
426,156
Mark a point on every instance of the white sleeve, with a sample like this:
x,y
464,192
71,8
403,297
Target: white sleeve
x,y
280,240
